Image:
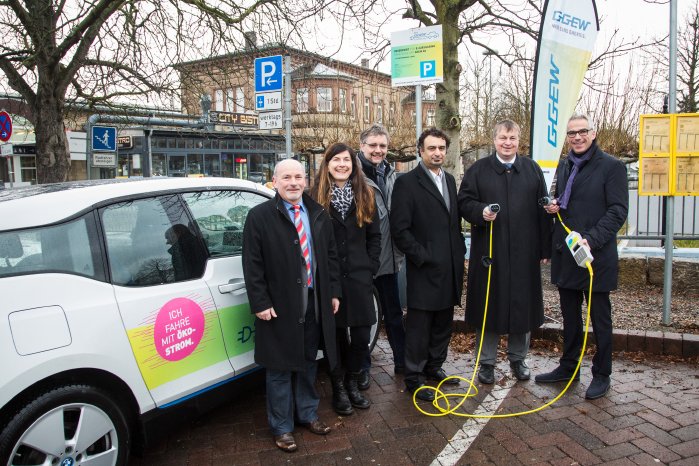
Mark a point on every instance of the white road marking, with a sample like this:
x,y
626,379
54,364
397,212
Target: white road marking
x,y
465,436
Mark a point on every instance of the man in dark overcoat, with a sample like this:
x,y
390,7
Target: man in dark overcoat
x,y
425,225
293,298
521,232
592,196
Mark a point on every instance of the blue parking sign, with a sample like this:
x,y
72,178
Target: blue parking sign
x,y
104,138
428,69
268,73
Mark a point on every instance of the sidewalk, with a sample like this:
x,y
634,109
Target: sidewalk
x,y
650,416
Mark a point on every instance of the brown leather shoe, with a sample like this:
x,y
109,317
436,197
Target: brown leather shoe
x,y
317,427
286,442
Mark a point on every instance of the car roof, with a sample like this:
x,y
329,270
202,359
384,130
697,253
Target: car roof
x,y
50,203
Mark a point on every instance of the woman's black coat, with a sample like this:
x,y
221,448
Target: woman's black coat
x,y
598,206
275,276
430,236
521,238
358,250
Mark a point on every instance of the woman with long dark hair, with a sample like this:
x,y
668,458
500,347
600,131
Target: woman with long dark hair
x,y
341,189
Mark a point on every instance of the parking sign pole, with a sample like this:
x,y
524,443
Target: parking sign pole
x,y
287,103
418,111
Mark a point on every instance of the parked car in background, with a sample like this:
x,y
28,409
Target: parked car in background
x,y
121,301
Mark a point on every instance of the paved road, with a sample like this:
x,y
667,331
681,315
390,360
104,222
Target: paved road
x,y
650,416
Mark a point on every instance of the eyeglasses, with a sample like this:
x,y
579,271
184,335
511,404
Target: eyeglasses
x,y
581,132
375,145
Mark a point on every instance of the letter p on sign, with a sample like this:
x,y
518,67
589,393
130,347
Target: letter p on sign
x,y
428,69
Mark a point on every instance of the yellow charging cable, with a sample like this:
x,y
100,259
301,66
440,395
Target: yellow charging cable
x,y
442,397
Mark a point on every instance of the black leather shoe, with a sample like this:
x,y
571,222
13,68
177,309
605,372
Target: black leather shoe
x,y
520,370
317,427
559,374
440,375
364,381
598,387
285,442
425,395
486,374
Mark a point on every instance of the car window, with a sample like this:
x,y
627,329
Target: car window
x,y
221,216
64,248
150,242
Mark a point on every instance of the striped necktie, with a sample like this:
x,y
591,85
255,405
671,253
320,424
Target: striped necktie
x,y
304,241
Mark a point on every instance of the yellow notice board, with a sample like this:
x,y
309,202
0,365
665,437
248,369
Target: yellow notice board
x,y
655,154
687,155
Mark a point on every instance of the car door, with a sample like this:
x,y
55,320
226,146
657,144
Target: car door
x,y
157,266
220,216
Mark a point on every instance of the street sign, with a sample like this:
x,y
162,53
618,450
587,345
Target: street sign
x,y
6,150
104,139
104,160
268,74
416,56
271,120
5,126
268,101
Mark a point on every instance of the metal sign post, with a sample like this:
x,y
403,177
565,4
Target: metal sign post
x,y
287,101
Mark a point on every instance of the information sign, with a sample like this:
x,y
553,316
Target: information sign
x,y
271,120
268,101
268,73
416,56
104,160
104,138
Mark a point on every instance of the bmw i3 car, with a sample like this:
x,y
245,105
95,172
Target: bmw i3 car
x,y
119,300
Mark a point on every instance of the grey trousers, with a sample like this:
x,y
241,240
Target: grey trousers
x,y
517,347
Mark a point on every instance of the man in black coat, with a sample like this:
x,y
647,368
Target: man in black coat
x,y
593,199
425,225
521,232
294,299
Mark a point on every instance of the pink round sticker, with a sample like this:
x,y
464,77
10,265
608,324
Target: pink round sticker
x,y
178,328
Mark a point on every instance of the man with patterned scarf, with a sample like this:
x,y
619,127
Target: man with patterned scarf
x,y
592,196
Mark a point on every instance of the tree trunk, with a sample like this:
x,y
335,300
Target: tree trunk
x,y
52,155
448,96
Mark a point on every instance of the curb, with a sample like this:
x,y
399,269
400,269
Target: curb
x,y
683,345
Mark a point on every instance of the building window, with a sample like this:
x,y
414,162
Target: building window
x,y
430,117
28,169
367,109
218,100
353,106
302,100
343,100
324,97
392,113
239,100
379,112
230,100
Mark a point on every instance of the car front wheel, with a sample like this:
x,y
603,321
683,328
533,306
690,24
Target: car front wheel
x,y
68,425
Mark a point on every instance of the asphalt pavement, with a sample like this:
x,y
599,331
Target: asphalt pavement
x,y
650,416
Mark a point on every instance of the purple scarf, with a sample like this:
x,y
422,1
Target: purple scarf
x,y
578,162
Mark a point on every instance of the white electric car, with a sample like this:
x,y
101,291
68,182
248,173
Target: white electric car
x,y
118,300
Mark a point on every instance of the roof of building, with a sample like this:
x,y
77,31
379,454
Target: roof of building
x,y
282,49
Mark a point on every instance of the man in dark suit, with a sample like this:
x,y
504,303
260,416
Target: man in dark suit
x,y
292,278
425,226
592,196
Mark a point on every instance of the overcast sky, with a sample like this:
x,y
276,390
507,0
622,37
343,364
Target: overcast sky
x,y
633,18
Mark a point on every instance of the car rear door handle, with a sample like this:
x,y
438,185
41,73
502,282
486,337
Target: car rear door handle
x,y
233,285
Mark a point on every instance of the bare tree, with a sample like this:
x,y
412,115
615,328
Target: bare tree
x,y
102,51
688,61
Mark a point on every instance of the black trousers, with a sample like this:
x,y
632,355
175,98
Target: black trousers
x,y
351,351
427,335
573,321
